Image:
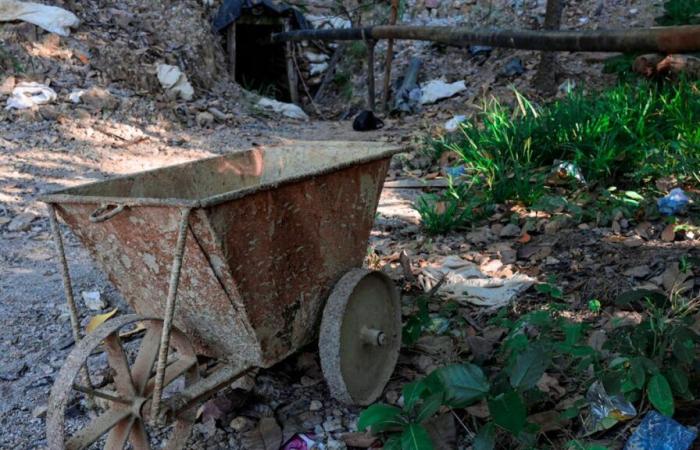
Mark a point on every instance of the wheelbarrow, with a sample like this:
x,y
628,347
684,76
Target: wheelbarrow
x,y
231,263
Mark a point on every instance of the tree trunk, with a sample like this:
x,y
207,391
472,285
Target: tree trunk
x,y
546,78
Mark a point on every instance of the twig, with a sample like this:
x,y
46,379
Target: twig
x,y
469,432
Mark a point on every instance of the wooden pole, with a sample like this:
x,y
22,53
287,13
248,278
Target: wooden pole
x,y
370,73
389,57
231,48
680,39
291,72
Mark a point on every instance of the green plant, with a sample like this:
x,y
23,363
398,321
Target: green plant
x,y
657,357
680,12
629,135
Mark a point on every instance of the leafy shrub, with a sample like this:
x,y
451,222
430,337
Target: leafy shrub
x,y
680,12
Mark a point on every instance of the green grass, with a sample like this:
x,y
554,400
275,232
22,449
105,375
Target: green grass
x,y
627,136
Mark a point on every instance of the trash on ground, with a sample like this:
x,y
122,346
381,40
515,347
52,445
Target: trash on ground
x,y
93,300
606,410
175,82
28,94
466,283
75,95
286,109
367,121
513,68
435,90
51,18
673,203
454,171
454,122
660,432
301,442
564,172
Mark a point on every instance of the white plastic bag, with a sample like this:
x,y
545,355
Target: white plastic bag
x,y
51,18
173,80
25,95
286,109
435,90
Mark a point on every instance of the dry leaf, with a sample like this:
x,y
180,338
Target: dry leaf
x,y
525,238
266,436
480,410
676,281
548,421
549,384
98,320
669,233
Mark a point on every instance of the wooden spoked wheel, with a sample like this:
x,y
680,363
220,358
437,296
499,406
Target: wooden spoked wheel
x,y
120,357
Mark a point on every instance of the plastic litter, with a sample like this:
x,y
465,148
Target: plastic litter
x,y
658,432
454,171
435,90
174,81
673,203
25,95
302,442
606,410
286,109
75,96
565,171
466,283
453,123
51,18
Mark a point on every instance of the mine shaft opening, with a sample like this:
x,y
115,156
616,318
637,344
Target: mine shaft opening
x,y
260,65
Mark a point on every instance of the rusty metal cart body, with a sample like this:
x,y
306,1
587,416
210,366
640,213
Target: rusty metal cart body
x,y
240,258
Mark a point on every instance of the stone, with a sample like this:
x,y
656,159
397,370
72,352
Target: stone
x,y
21,222
637,272
7,85
205,119
510,230
332,444
93,300
332,424
240,424
315,405
99,99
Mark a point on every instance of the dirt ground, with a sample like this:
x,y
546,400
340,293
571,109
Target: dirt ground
x,y
62,145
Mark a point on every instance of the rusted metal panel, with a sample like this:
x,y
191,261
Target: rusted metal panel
x,y
135,249
286,248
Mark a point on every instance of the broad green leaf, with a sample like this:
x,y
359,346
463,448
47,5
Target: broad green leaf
x,y
660,395
415,437
529,367
485,439
634,196
572,333
380,417
684,350
412,392
429,407
637,373
463,384
678,381
508,411
638,296
393,443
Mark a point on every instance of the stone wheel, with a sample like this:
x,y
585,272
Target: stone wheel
x,y
360,336
120,403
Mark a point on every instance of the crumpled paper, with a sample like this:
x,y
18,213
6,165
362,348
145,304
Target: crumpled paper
x,y
465,283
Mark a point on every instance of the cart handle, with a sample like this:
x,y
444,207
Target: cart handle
x,y
106,212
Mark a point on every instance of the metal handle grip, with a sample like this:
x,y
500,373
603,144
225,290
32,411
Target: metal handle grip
x,y
106,212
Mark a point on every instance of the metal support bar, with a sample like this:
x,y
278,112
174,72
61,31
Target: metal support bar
x,y
370,73
222,376
291,73
677,39
67,286
169,312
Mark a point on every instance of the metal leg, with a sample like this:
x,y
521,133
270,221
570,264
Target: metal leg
x,y
169,313
67,285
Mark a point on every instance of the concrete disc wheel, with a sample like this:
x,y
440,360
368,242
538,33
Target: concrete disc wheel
x,y
101,397
360,336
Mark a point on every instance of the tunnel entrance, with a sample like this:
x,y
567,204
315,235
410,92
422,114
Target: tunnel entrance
x,y
259,65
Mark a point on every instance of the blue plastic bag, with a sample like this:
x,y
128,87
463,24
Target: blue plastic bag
x,y
673,203
658,432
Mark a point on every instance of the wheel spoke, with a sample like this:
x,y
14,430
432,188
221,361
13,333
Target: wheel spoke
x,y
96,428
146,358
117,437
118,362
139,437
173,371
